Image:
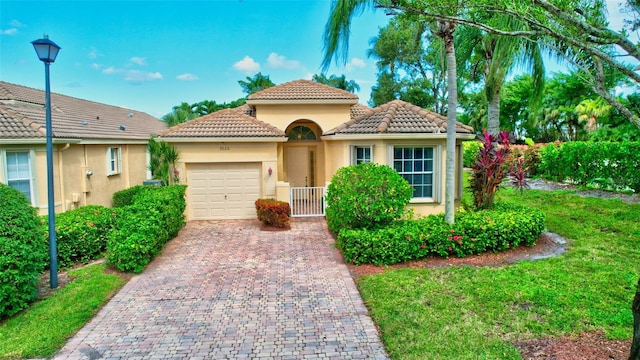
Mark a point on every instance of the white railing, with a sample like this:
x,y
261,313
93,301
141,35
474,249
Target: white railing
x,y
307,201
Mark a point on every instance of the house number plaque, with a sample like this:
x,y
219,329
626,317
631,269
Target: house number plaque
x,y
224,148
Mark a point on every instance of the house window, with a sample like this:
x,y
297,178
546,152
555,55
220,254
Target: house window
x,y
114,161
19,172
302,133
415,164
361,154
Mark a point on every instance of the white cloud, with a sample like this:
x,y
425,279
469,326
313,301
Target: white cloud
x,y
12,31
93,53
187,77
137,76
308,76
280,62
96,66
356,63
111,70
138,60
247,65
16,23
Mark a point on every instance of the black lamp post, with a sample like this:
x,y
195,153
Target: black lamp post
x,y
47,51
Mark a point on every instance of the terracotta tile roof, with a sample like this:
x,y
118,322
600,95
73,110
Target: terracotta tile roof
x,y
358,110
398,117
22,116
224,123
246,109
302,90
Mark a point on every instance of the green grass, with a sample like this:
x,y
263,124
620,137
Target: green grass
x,y
43,328
476,313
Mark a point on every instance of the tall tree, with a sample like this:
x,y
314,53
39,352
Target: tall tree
x,y
336,81
336,38
256,83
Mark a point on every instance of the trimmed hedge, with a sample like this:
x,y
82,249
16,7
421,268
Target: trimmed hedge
x,y
82,234
611,165
23,251
143,228
127,196
366,196
273,212
503,227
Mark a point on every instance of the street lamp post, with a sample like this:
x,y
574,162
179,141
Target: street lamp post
x,y
47,51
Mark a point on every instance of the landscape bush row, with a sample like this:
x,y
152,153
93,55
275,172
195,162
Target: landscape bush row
x,y
500,228
153,216
607,164
23,251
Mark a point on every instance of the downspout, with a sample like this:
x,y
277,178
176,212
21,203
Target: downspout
x,y
61,175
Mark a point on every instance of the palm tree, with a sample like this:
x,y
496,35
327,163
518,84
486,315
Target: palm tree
x,y
589,110
339,82
336,38
256,83
497,56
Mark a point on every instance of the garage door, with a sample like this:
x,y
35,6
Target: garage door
x,y
223,190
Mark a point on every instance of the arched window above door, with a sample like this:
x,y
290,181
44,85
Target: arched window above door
x,y
302,133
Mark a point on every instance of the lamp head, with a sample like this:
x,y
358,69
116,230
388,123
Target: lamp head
x,y
46,49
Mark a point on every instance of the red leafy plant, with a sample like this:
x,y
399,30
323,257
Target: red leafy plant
x,y
489,169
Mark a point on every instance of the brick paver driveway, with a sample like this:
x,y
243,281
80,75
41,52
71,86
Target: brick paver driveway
x,y
227,290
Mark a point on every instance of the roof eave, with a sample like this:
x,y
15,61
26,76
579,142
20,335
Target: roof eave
x,y
191,139
303,101
396,136
36,141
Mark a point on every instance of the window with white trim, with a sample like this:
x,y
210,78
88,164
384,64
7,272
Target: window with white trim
x,y
361,154
19,173
416,165
114,161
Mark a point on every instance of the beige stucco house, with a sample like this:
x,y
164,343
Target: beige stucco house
x,y
98,149
289,140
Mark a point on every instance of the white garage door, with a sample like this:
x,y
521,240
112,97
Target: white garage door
x,y
223,190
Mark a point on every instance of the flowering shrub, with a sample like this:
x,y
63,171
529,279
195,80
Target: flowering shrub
x,y
366,196
503,227
273,212
489,169
82,233
518,173
23,251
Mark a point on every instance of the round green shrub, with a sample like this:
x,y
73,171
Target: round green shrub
x,y
366,196
23,251
471,151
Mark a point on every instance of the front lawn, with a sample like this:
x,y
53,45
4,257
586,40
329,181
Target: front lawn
x,y
43,328
477,313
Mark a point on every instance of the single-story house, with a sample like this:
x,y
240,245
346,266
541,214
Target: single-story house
x,y
98,149
287,141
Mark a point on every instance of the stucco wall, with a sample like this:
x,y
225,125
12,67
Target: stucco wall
x,y
326,116
338,154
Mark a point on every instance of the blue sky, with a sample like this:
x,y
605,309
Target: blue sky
x,y
152,55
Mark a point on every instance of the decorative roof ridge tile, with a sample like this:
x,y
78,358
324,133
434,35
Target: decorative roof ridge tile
x,y
265,93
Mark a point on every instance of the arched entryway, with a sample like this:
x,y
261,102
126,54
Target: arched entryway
x,y
301,154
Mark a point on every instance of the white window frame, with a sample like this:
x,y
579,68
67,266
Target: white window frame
x,y
114,160
33,195
436,173
354,153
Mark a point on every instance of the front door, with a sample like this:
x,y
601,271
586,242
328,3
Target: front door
x,y
300,165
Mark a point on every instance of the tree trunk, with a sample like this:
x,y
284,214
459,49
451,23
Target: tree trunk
x,y
447,29
635,308
493,115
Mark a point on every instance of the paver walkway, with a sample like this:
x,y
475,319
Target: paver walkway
x,y
227,290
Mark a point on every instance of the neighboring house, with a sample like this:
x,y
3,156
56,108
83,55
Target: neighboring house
x,y
98,149
296,135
